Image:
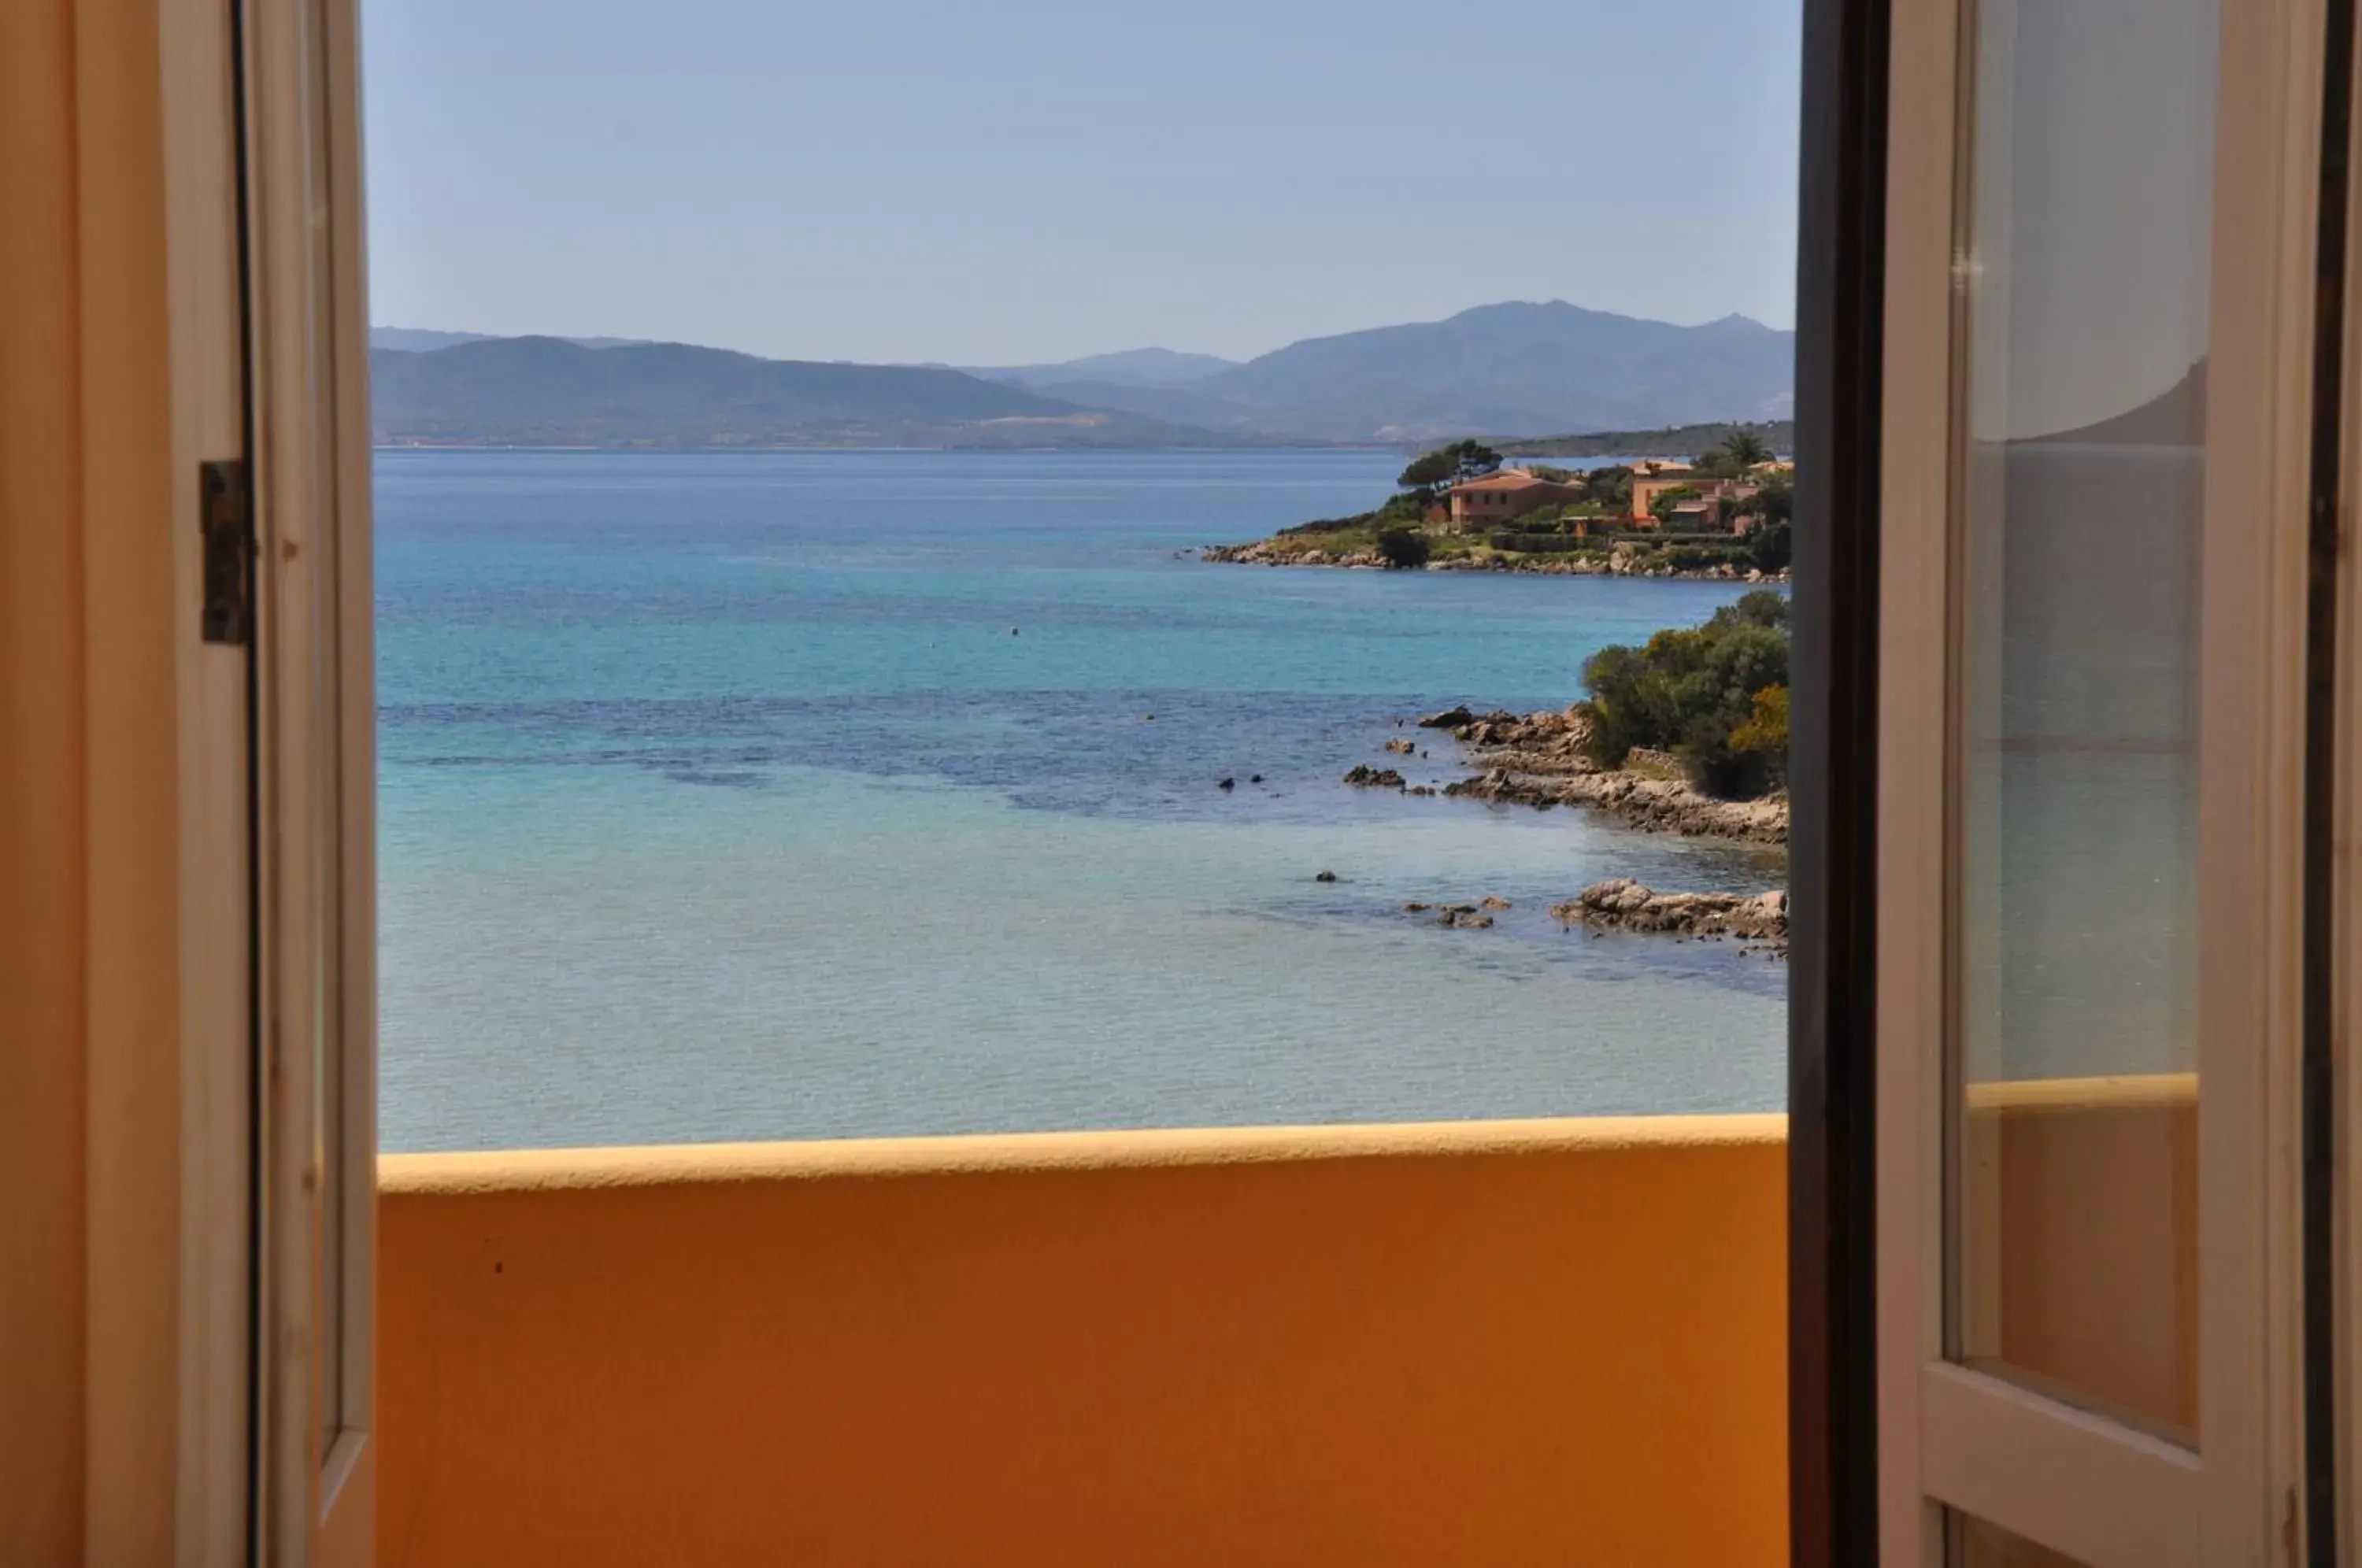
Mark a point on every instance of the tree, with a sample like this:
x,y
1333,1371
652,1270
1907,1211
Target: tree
x,y
1609,486
1770,547
1456,464
1744,450
1661,505
1403,549
1474,459
1756,607
1430,472
1739,453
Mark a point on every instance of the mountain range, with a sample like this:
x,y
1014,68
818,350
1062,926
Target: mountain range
x,y
548,392
1504,370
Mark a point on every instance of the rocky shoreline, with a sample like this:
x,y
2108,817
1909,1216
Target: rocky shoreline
x,y
1623,560
1621,904
1536,759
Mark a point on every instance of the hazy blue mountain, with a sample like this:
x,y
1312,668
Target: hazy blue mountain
x,y
1502,370
1125,368
419,340
1527,368
426,340
549,392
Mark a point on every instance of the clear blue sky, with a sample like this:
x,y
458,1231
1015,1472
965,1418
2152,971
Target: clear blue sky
x,y
1033,180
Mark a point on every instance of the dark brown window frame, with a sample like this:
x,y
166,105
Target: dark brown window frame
x,y
1832,1032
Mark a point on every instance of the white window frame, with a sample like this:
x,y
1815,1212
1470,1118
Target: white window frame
x,y
2096,1490
308,345
212,1489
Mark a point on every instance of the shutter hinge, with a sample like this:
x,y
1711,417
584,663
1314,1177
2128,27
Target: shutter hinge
x,y
226,512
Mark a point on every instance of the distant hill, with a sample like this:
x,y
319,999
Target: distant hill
x,y
548,392
423,340
1670,441
1515,367
1127,368
419,340
1503,367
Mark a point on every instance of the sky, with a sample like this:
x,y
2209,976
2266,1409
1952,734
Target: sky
x,y
1027,181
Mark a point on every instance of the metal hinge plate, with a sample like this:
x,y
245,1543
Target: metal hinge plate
x,y
226,512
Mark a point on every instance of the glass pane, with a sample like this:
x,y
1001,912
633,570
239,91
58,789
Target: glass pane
x,y
1976,1544
2078,492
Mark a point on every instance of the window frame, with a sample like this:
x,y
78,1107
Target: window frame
x,y
207,1169
2085,1485
316,1133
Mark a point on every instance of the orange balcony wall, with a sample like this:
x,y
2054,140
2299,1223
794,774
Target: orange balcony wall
x,y
1489,1344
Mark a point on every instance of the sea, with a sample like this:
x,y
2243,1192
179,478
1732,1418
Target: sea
x,y
733,796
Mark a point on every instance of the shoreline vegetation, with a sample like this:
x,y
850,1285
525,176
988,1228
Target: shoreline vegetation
x,y
1723,515
1686,734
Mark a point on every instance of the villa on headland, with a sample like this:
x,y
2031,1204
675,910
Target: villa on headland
x,y
1701,502
1511,492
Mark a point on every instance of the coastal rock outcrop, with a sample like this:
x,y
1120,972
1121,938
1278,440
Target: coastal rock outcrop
x,y
1538,759
1626,559
1364,776
1652,805
1620,903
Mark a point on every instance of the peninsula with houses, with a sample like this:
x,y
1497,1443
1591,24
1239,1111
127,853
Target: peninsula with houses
x,y
1723,513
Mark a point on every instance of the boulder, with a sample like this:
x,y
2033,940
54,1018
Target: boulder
x,y
1620,903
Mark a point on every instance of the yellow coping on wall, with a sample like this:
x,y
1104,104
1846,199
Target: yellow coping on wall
x,y
1493,1343
2147,1090
529,1170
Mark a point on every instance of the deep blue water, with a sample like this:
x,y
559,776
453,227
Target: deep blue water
x,y
782,795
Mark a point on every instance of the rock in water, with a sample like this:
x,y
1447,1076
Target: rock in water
x,y
1449,719
1620,903
1402,745
1325,877
1493,902
1228,784
1364,776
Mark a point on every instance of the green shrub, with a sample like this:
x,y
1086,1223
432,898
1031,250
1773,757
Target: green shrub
x,y
1700,693
1330,525
1403,548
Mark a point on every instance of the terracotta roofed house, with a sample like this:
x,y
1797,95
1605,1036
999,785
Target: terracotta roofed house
x,y
1706,508
1512,493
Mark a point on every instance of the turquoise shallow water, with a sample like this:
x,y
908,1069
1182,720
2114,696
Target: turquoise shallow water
x,y
718,800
